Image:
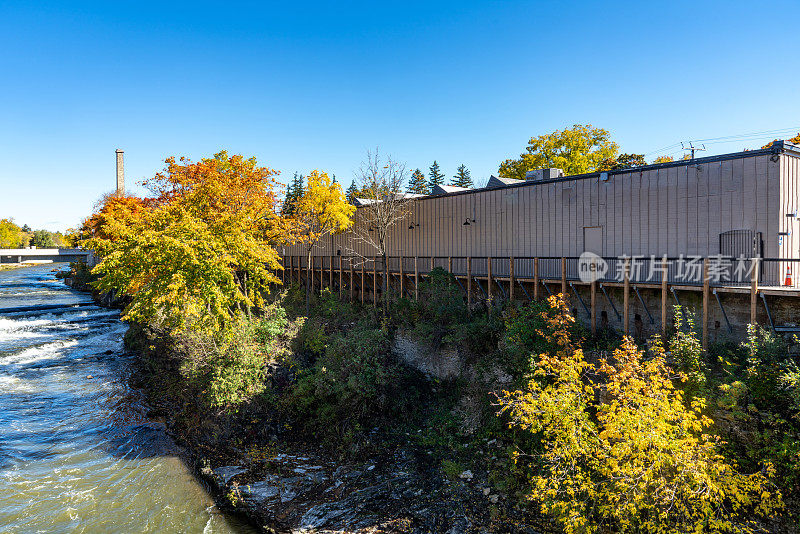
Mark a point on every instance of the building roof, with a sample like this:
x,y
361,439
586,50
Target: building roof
x,y
778,147
447,189
495,181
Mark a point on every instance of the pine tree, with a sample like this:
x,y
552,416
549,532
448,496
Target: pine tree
x,y
462,177
436,177
293,192
351,193
417,183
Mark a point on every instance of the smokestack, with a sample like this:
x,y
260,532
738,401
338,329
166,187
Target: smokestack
x,y
120,173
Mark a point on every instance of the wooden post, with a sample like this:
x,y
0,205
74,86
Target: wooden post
x,y
402,279
469,282
705,303
535,278
754,290
511,282
450,265
375,281
341,278
352,280
564,278
291,268
593,308
489,291
626,295
310,267
664,278
331,273
416,279
362,281
431,264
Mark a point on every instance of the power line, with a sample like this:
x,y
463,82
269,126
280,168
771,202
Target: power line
x,y
752,136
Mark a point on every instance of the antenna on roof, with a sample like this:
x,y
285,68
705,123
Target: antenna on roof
x,y
692,148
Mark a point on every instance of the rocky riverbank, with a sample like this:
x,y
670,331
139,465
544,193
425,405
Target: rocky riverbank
x,y
285,484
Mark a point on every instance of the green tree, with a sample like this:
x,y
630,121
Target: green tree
x,y
293,192
623,161
462,177
352,192
417,183
435,176
43,239
575,150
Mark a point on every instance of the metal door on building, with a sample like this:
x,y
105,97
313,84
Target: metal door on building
x,y
593,239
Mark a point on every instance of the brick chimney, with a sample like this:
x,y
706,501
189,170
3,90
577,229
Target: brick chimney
x,y
120,173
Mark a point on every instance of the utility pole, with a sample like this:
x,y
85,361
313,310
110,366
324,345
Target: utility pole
x,y
692,148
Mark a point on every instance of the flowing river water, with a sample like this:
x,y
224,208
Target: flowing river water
x,y
77,452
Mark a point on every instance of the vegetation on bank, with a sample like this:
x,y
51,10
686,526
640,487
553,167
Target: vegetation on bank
x,y
618,440
592,434
14,236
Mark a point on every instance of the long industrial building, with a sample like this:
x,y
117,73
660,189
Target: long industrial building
x,y
744,203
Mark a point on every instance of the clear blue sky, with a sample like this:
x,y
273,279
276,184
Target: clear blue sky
x,y
314,85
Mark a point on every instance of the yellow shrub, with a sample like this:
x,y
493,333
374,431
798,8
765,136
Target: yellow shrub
x,y
641,460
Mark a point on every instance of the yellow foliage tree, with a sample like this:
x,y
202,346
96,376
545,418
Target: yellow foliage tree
x,y
640,460
204,251
11,235
575,150
321,210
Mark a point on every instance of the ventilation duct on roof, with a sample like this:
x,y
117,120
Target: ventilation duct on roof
x,y
538,175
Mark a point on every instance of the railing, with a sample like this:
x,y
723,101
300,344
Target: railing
x,y
685,270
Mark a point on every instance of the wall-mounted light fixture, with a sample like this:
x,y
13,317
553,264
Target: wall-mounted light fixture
x,y
370,229
468,221
412,226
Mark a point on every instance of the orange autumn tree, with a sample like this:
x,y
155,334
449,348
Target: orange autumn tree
x,y
115,218
204,251
321,210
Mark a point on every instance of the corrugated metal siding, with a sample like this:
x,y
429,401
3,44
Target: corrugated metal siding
x,y
673,211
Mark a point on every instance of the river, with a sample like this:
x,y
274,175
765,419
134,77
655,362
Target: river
x,y
77,452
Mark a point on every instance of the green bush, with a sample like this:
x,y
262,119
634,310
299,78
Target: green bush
x,y
232,368
355,382
769,369
686,352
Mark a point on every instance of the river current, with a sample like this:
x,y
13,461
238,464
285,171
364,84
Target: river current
x,y
77,452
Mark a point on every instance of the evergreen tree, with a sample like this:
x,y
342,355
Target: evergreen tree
x,y
293,192
462,177
352,192
435,176
417,183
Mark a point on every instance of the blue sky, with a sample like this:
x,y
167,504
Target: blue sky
x,y
314,85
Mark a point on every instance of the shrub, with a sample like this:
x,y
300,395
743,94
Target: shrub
x,y
641,461
768,362
354,383
686,352
232,368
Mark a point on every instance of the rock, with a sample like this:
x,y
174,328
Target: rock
x,y
466,475
227,472
487,491
261,491
444,364
494,498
